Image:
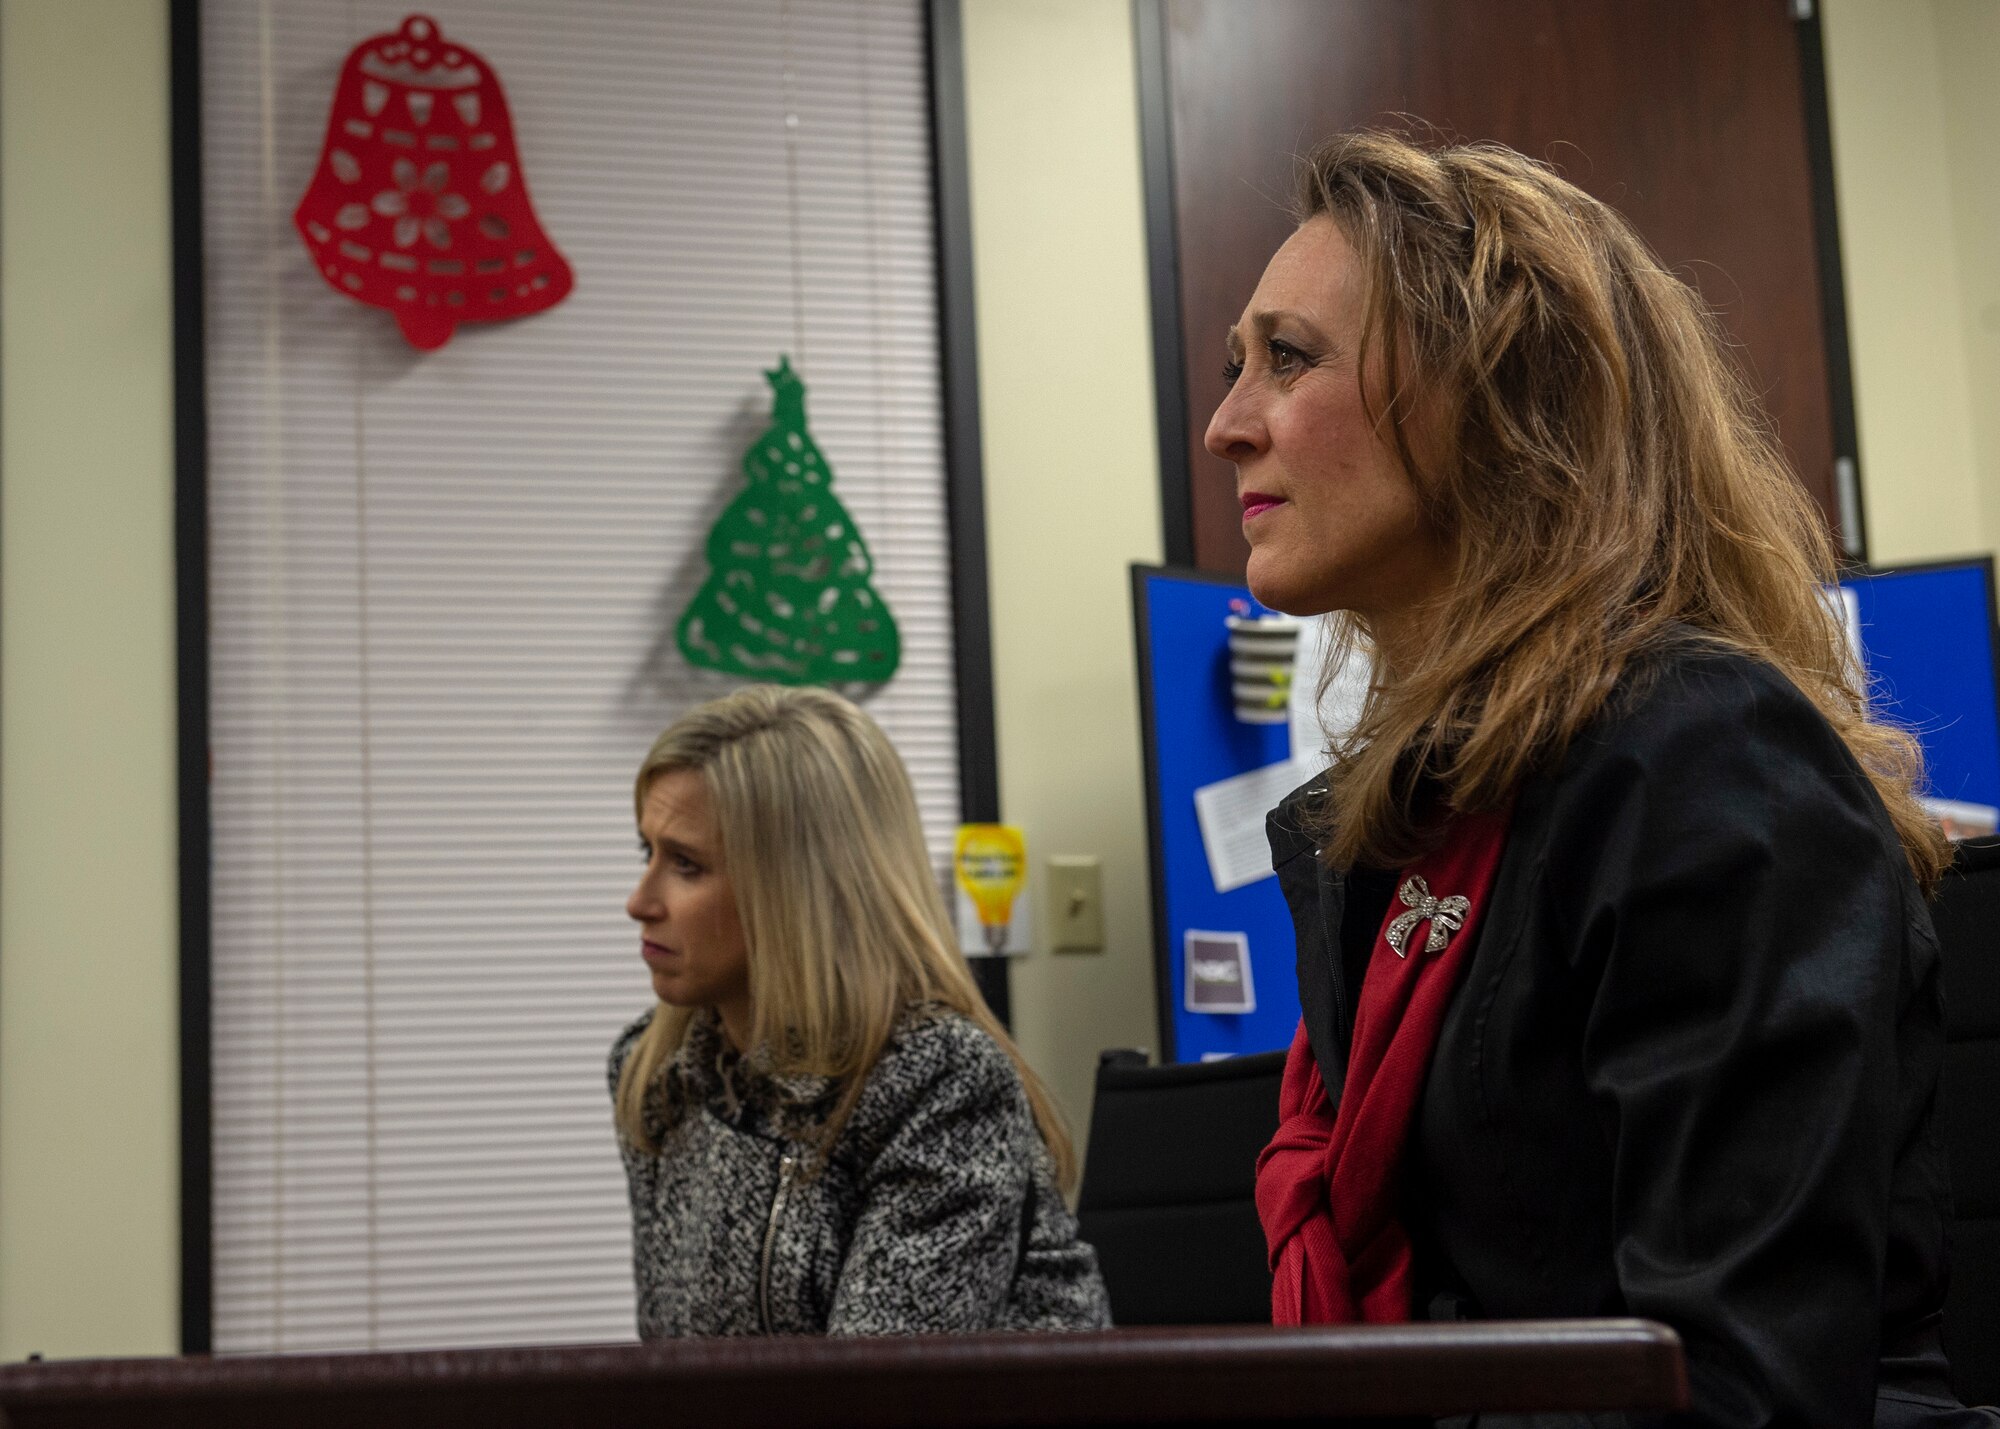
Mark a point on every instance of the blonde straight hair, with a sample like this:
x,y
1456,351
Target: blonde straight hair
x,y
844,923
1569,414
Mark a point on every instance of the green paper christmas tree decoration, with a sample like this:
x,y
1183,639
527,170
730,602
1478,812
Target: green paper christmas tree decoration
x,y
787,596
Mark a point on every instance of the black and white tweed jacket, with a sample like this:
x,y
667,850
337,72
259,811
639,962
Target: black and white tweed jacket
x,y
936,1211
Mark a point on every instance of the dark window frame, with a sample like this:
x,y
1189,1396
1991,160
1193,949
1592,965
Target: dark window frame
x,y
979,777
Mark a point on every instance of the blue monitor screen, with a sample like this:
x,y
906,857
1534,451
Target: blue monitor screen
x,y
1927,642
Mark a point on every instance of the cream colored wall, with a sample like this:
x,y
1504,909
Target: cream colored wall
x,y
1968,49
89,1140
1072,490
1902,155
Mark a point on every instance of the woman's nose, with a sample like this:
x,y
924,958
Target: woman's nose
x,y
643,906
1234,433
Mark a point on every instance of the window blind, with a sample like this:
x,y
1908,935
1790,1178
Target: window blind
x,y
442,595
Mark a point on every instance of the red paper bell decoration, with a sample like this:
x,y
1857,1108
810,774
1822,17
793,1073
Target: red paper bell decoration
x,y
419,205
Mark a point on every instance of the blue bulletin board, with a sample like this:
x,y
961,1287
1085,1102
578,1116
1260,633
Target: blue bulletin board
x,y
1927,637
1193,738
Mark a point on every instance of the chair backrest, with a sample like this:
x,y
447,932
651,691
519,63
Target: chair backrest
x,y
1967,916
1169,1185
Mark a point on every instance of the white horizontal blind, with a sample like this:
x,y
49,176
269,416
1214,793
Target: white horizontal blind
x,y
443,588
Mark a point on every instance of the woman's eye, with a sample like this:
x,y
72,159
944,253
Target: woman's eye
x,y
1284,357
1231,370
683,864
645,852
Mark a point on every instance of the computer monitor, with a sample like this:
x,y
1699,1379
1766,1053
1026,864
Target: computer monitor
x,y
1927,637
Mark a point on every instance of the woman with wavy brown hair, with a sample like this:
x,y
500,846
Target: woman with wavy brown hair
x,y
1620,995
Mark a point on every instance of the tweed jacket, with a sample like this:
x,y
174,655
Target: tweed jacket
x,y
937,1209
1691,1069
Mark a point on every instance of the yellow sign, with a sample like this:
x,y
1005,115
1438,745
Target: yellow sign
x,y
990,863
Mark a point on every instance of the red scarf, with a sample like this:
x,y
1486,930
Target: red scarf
x,y
1326,1185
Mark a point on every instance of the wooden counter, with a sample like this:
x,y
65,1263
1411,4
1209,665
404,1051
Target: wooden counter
x,y
1196,1376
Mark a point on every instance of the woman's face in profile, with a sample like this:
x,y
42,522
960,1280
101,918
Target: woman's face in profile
x,y
1331,516
692,938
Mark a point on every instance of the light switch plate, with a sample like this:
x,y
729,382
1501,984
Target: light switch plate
x,y
1076,904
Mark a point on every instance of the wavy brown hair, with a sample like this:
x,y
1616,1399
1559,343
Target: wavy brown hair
x,y
1574,427
843,919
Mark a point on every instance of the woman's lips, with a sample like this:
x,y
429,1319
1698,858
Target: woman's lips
x,y
1256,503
654,954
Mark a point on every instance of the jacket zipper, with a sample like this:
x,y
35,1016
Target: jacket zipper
x,y
785,1165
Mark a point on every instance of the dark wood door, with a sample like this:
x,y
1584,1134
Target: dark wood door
x,y
1687,115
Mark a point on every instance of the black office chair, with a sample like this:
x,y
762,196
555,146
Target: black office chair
x,y
1967,916
1169,1187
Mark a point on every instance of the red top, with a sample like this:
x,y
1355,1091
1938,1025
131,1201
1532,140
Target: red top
x,y
1326,1185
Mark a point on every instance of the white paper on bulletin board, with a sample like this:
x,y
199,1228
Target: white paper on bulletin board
x,y
1231,814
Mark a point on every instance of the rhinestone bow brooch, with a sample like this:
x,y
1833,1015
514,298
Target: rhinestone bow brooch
x,y
1445,915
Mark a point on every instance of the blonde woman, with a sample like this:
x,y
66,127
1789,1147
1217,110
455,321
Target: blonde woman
x,y
824,1129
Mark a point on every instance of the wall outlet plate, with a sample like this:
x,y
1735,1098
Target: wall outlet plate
x,y
1076,904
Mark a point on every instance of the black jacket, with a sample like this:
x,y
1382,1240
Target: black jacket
x,y
1691,1070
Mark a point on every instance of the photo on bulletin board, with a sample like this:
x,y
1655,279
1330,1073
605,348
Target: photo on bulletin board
x,y
1218,977
1212,774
